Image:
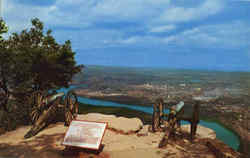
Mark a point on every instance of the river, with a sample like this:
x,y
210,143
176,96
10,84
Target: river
x,y
223,134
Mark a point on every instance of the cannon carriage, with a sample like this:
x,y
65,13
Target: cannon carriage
x,y
45,107
170,120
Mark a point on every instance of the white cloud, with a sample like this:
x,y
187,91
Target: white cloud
x,y
170,39
83,13
165,28
154,16
130,40
230,35
135,41
18,15
84,39
129,10
180,14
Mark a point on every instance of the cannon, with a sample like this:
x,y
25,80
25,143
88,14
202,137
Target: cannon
x,y
172,120
44,108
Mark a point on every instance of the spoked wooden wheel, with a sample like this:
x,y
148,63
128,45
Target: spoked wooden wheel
x,y
156,118
36,98
71,107
36,103
158,114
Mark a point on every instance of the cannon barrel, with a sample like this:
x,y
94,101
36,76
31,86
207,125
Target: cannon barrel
x,y
52,98
177,108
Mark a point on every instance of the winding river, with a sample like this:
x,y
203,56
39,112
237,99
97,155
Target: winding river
x,y
225,135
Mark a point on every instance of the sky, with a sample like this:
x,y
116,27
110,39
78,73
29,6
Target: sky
x,y
189,34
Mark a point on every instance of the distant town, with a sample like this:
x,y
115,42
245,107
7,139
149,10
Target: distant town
x,y
223,96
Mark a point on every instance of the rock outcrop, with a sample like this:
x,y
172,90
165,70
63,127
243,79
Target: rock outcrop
x,y
118,124
125,137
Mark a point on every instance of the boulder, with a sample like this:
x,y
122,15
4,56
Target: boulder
x,y
119,124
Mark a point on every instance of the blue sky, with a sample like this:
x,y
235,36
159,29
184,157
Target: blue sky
x,y
192,34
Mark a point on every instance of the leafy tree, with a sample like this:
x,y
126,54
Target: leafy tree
x,y
5,72
37,62
42,63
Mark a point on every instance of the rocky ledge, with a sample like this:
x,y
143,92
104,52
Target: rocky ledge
x,y
125,137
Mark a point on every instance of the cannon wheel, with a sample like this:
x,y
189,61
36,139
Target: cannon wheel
x,y
36,103
157,115
156,118
36,98
71,107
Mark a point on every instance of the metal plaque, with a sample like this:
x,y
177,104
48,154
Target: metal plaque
x,y
85,134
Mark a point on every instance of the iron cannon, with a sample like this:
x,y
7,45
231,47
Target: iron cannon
x,y
171,120
45,107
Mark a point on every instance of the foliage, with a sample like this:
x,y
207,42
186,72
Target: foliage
x,y
40,62
32,60
5,68
3,28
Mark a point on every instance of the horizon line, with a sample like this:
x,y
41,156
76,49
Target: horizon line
x,y
165,67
